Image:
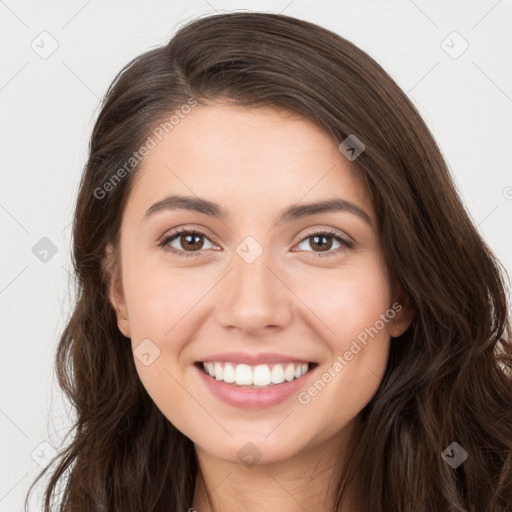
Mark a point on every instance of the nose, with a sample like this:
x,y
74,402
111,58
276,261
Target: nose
x,y
254,297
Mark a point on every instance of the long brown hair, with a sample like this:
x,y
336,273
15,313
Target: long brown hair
x,y
448,376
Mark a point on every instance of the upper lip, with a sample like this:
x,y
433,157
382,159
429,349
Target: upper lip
x,y
253,359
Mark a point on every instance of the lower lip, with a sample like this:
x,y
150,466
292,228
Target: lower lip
x,y
253,398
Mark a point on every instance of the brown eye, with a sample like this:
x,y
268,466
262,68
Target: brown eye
x,y
191,241
188,241
322,242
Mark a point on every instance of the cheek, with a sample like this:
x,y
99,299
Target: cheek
x,y
349,306
160,307
158,297
344,300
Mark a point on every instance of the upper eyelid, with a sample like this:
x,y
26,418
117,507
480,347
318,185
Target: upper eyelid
x,y
329,231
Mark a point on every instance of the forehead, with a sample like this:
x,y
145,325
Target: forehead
x,y
257,157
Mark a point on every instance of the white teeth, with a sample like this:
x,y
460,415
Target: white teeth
x,y
229,373
277,374
289,373
243,375
219,371
210,368
260,375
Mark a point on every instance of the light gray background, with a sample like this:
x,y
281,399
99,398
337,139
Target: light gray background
x,y
48,106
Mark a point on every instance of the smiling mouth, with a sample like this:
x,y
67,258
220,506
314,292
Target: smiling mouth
x,y
255,376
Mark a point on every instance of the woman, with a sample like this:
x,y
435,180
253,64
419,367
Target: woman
x,y
283,304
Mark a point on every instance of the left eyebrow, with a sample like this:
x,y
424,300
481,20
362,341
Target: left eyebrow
x,y
294,212
330,205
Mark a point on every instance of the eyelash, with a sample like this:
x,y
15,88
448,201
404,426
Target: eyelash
x,y
345,244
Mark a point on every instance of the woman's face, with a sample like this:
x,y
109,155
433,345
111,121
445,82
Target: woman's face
x,y
253,285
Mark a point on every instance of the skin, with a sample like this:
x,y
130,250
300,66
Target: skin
x,y
288,300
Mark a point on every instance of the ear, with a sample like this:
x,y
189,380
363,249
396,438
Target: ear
x,y
112,273
404,314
